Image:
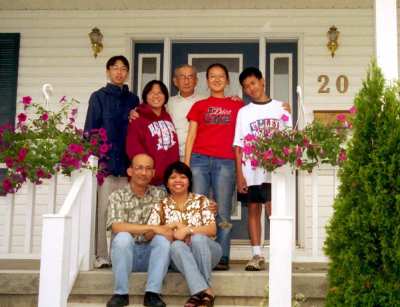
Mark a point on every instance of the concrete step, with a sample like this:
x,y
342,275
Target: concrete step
x,y
235,287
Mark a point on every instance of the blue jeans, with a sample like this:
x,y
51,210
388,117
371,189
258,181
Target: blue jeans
x,y
219,175
196,261
128,256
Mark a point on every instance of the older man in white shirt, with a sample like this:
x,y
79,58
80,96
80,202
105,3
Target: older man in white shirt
x,y
185,80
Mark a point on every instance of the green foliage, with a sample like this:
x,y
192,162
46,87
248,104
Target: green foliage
x,y
363,240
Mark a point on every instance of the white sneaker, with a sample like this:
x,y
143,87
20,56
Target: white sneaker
x,y
102,262
257,263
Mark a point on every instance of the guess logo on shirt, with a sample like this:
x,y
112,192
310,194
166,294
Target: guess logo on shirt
x,y
217,116
165,131
266,123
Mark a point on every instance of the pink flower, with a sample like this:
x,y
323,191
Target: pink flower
x,y
76,148
71,120
299,162
7,185
103,134
44,117
247,149
74,111
306,142
342,155
26,100
40,173
22,117
9,161
341,117
286,150
268,154
22,154
284,117
353,110
277,161
104,148
250,137
254,163
299,151
63,99
93,142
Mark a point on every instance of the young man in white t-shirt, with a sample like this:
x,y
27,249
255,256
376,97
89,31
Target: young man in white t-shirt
x,y
254,184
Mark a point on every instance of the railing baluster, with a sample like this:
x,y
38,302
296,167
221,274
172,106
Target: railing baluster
x,y
10,203
314,195
51,207
29,217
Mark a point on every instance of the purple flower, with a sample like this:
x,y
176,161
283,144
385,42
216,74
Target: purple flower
x,y
284,117
22,117
7,185
22,154
103,134
74,111
9,162
100,178
63,99
40,173
254,163
26,100
44,117
104,148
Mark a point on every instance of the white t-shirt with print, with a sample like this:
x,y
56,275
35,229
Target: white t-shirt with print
x,y
251,118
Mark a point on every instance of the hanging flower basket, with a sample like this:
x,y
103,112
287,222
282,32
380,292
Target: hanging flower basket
x,y
304,149
46,142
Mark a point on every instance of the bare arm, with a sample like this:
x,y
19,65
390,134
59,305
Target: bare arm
x,y
191,137
240,180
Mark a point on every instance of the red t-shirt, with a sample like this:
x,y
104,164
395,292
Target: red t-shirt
x,y
216,119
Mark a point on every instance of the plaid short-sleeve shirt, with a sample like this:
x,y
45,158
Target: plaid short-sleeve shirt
x,y
126,207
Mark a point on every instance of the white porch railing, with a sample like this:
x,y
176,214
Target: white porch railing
x,y
68,241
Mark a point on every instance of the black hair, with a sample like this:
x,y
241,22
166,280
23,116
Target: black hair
x,y
180,168
248,72
149,86
114,59
222,66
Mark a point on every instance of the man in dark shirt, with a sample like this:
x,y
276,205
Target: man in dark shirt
x,y
108,109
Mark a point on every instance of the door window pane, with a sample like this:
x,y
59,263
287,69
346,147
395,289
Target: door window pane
x,y
149,69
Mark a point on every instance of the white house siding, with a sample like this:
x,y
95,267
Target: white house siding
x,y
55,49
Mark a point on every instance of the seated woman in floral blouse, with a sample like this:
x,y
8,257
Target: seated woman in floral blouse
x,y
194,252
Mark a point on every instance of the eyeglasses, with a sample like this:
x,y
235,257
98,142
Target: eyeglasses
x,y
119,68
187,77
140,168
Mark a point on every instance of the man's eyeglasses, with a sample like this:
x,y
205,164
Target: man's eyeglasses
x,y
140,168
187,77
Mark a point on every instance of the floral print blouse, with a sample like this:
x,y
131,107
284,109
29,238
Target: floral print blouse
x,y
196,212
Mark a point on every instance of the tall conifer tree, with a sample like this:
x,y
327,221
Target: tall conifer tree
x,y
363,240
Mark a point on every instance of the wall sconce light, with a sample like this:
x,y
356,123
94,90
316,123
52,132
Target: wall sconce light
x,y
96,38
333,35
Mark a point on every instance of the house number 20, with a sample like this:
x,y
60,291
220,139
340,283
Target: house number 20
x,y
342,84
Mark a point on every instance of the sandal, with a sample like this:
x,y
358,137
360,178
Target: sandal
x,y
195,300
207,300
